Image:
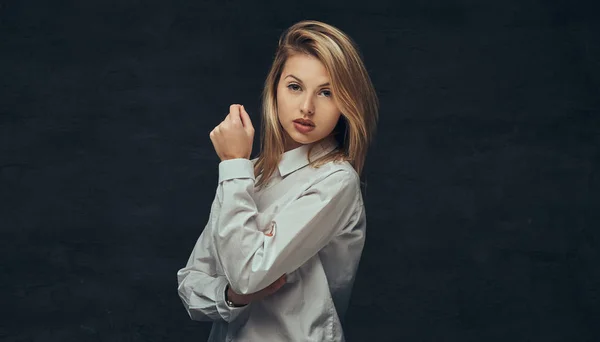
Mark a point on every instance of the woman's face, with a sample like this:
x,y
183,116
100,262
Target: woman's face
x,y
304,93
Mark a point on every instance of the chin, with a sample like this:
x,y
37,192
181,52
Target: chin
x,y
301,138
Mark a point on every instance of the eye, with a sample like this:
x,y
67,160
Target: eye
x,y
326,93
293,87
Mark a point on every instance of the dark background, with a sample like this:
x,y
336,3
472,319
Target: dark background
x,y
482,184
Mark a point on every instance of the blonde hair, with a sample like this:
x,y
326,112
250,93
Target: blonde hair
x,y
352,91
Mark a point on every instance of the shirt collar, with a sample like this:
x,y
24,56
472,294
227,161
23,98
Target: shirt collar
x,y
297,158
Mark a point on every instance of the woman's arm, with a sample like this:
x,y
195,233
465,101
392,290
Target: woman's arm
x,y
200,288
254,255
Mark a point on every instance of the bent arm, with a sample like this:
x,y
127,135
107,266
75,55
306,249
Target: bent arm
x,y
253,255
201,288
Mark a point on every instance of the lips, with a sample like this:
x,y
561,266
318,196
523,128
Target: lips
x,y
305,122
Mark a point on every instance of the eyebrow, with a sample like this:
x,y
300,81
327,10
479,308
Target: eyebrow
x,y
299,80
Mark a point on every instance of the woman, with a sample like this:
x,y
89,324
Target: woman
x,y
278,256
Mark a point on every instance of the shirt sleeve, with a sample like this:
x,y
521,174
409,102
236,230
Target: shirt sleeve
x,y
201,287
254,253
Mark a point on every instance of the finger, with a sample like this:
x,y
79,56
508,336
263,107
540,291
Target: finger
x,y
279,279
234,114
274,286
271,289
245,117
280,282
232,109
233,106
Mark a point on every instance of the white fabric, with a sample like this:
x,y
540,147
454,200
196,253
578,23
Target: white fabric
x,y
307,222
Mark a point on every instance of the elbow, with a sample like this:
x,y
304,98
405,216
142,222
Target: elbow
x,y
185,299
199,316
186,294
195,314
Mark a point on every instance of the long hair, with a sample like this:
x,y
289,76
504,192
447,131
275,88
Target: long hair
x,y
352,92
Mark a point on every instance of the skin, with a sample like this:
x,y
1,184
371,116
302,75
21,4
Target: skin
x,y
303,92
305,95
232,139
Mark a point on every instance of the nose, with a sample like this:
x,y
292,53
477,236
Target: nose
x,y
308,107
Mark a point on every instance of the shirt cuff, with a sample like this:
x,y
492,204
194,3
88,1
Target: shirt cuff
x,y
236,168
227,313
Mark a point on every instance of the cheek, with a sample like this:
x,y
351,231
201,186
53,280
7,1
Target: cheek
x,y
279,105
333,118
335,122
283,104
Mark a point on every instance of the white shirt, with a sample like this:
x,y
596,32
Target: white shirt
x,y
308,223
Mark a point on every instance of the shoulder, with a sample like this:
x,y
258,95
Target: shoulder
x,y
341,170
339,184
339,175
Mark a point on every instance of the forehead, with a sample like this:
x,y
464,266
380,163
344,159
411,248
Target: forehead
x,y
307,68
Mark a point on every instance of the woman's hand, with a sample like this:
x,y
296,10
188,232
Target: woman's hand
x,y
233,137
241,299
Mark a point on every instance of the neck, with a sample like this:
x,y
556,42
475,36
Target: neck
x,y
290,144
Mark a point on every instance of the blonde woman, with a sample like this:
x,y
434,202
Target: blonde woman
x,y
278,256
